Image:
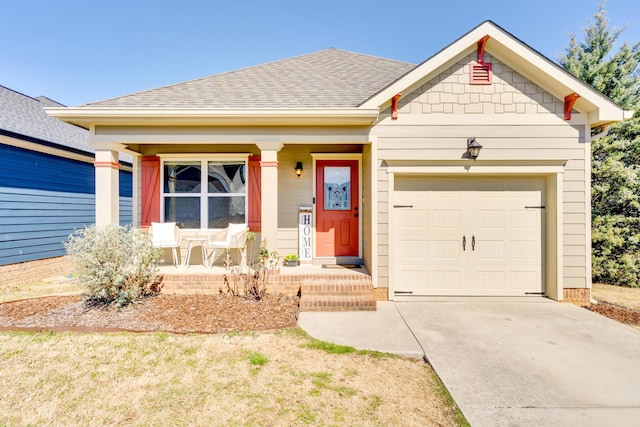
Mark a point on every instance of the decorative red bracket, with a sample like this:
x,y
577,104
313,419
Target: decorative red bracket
x,y
394,106
569,100
481,44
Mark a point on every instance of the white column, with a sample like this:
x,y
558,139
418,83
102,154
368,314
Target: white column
x,y
107,188
269,189
136,213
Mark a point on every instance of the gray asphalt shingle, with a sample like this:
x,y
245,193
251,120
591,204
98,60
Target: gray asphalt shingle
x,y
23,115
330,78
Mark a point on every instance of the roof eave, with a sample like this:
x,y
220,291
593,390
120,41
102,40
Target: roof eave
x,y
85,117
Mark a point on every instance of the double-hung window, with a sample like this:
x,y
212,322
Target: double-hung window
x,y
201,193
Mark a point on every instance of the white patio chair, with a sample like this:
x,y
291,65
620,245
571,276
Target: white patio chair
x,y
236,239
167,235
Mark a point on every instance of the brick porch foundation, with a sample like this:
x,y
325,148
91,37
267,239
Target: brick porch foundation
x,y
318,291
577,296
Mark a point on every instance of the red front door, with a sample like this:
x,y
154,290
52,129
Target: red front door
x,y
337,208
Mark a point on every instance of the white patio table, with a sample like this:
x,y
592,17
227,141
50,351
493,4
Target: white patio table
x,y
194,241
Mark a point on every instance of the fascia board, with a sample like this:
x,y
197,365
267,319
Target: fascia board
x,y
87,117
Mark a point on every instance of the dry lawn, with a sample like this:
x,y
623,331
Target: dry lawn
x,y
46,287
256,379
618,295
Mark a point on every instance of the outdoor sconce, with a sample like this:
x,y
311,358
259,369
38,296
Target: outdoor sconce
x,y
299,169
473,147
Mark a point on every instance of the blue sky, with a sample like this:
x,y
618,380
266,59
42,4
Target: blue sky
x,y
79,51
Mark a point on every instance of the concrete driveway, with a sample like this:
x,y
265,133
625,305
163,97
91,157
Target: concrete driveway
x,y
508,363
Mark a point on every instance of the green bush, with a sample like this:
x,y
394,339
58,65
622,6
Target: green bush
x,y
114,264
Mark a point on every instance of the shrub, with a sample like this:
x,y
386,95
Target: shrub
x,y
115,264
267,259
250,283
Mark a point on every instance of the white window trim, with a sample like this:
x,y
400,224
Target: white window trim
x,y
203,158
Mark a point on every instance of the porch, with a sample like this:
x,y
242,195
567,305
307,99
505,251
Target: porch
x,y
325,287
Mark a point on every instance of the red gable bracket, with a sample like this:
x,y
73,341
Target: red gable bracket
x,y
394,106
481,44
569,100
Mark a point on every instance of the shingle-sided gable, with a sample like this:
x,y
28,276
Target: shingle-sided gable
x,y
330,78
510,92
550,77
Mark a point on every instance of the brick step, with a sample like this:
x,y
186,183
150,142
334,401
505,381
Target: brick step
x,y
323,278
337,302
337,288
212,288
345,295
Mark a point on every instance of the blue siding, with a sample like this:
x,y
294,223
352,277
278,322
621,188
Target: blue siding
x,y
126,188
39,171
34,223
126,211
43,199
126,202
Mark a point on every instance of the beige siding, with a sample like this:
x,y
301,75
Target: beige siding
x,y
294,192
366,212
512,136
383,227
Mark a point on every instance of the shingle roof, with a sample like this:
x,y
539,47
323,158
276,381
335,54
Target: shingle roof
x,y
20,114
330,78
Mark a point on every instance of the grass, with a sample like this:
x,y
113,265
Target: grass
x,y
55,286
618,295
250,378
162,379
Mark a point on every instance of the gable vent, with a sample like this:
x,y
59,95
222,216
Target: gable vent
x,y
480,74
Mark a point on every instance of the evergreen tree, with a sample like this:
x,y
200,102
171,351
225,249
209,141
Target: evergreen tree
x,y
615,173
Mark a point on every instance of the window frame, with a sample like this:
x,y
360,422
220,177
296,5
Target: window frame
x,y
204,194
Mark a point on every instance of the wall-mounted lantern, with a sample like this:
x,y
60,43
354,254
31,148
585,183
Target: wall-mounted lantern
x,y
473,147
299,169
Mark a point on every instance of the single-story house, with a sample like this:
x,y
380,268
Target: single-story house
x,y
465,175
47,187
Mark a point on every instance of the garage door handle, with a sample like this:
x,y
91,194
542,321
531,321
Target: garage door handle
x,y
464,243
473,242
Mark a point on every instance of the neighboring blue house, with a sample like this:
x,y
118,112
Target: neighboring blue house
x,y
47,180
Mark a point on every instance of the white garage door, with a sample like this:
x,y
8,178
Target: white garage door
x,y
467,236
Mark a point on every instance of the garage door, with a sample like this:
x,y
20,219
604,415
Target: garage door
x,y
467,236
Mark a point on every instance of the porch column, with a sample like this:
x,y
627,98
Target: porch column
x,y
136,214
269,197
107,188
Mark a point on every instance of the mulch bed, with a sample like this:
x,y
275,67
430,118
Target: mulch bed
x,y
183,314
615,312
170,313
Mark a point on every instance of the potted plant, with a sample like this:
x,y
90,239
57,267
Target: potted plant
x,y
291,260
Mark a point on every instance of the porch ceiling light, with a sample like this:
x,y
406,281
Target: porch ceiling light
x,y
473,147
299,169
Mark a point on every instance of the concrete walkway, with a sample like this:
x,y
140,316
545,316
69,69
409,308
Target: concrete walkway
x,y
508,363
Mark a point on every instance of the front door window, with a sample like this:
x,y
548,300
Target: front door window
x,y
337,185
337,222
